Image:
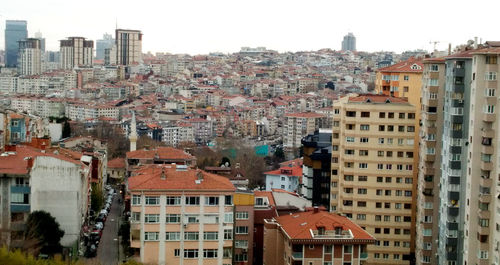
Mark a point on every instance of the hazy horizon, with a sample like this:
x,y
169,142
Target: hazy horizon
x,y
200,27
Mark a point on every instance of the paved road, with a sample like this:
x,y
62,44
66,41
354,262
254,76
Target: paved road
x,y
107,253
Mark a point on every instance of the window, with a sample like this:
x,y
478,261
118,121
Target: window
x,y
241,215
381,140
241,257
427,219
151,218
173,236
190,253
328,249
381,128
192,219
193,236
363,140
364,127
361,204
177,252
350,126
363,152
490,76
136,216
228,217
228,200
349,139
362,191
401,128
192,200
227,252
210,235
363,165
402,115
350,113
228,234
173,200
152,200
489,109
390,115
483,254
390,128
349,152
427,232
210,253
491,59
406,88
484,222
365,114
241,230
408,193
173,218
362,178
211,201
151,236
434,67
433,82
380,179
22,198
136,199
361,216
241,243
22,182
381,115
397,218
490,92
410,128
348,249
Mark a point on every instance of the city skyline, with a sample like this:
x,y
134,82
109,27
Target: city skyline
x,y
196,27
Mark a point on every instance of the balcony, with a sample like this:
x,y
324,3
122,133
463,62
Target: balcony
x,y
20,189
331,234
487,149
431,116
487,133
451,255
459,71
297,255
453,211
484,181
486,166
363,256
452,225
451,241
489,117
20,208
484,214
454,195
483,230
135,244
485,197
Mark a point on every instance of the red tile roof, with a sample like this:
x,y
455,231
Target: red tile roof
x,y
162,152
117,163
288,171
299,225
296,161
150,178
305,115
404,67
377,99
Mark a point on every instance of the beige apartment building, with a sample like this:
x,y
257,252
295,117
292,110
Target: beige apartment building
x,y
429,173
298,125
374,172
76,52
128,46
181,216
482,189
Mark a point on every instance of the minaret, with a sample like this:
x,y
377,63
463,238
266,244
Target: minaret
x,y
133,133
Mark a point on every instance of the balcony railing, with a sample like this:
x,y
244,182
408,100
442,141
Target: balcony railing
x,y
297,255
363,256
330,234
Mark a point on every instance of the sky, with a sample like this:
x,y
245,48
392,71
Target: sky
x,y
203,26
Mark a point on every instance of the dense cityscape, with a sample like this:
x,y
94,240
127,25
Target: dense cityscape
x,y
111,155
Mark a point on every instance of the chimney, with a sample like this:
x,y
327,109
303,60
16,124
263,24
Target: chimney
x,y
30,162
163,176
316,209
199,175
449,48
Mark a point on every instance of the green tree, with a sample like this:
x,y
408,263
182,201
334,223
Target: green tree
x,y
96,198
42,228
66,131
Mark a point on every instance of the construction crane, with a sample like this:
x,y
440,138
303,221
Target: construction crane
x,y
434,44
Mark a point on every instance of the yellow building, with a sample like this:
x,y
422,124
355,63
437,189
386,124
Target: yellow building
x,y
374,172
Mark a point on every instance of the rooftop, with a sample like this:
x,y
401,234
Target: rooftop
x,y
372,98
164,153
411,65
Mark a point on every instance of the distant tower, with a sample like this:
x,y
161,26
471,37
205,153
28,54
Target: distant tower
x,y
15,30
133,134
129,46
76,52
29,59
349,42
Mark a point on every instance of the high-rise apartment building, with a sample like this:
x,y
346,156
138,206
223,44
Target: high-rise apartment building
x,y
29,57
76,52
298,125
349,42
15,30
482,190
182,216
106,42
374,172
429,173
128,46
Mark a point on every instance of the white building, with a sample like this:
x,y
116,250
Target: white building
x,y
76,52
29,60
128,46
285,178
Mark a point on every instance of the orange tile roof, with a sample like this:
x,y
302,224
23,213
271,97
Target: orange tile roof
x,y
163,153
299,225
377,99
268,194
296,161
16,163
117,163
305,115
288,171
150,178
404,67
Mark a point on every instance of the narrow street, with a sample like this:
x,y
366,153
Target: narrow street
x,y
107,252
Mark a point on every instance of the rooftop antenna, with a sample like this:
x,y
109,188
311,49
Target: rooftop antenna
x,y
434,44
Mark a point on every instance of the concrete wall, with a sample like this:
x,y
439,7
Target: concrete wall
x,y
56,187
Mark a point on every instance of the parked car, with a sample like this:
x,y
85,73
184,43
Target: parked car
x,y
99,225
91,251
101,218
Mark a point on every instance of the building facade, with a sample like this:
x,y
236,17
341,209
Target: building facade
x,y
374,172
349,42
298,125
76,52
29,57
180,215
106,42
315,238
128,46
429,175
15,30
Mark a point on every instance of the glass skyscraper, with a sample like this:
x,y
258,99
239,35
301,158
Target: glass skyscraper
x,y
15,30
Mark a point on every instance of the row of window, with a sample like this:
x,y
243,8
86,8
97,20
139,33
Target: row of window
x,y
188,236
176,200
379,192
379,179
389,141
386,205
381,128
405,244
397,231
176,218
207,253
379,153
379,166
395,77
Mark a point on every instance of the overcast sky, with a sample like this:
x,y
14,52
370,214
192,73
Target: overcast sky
x,y
202,26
